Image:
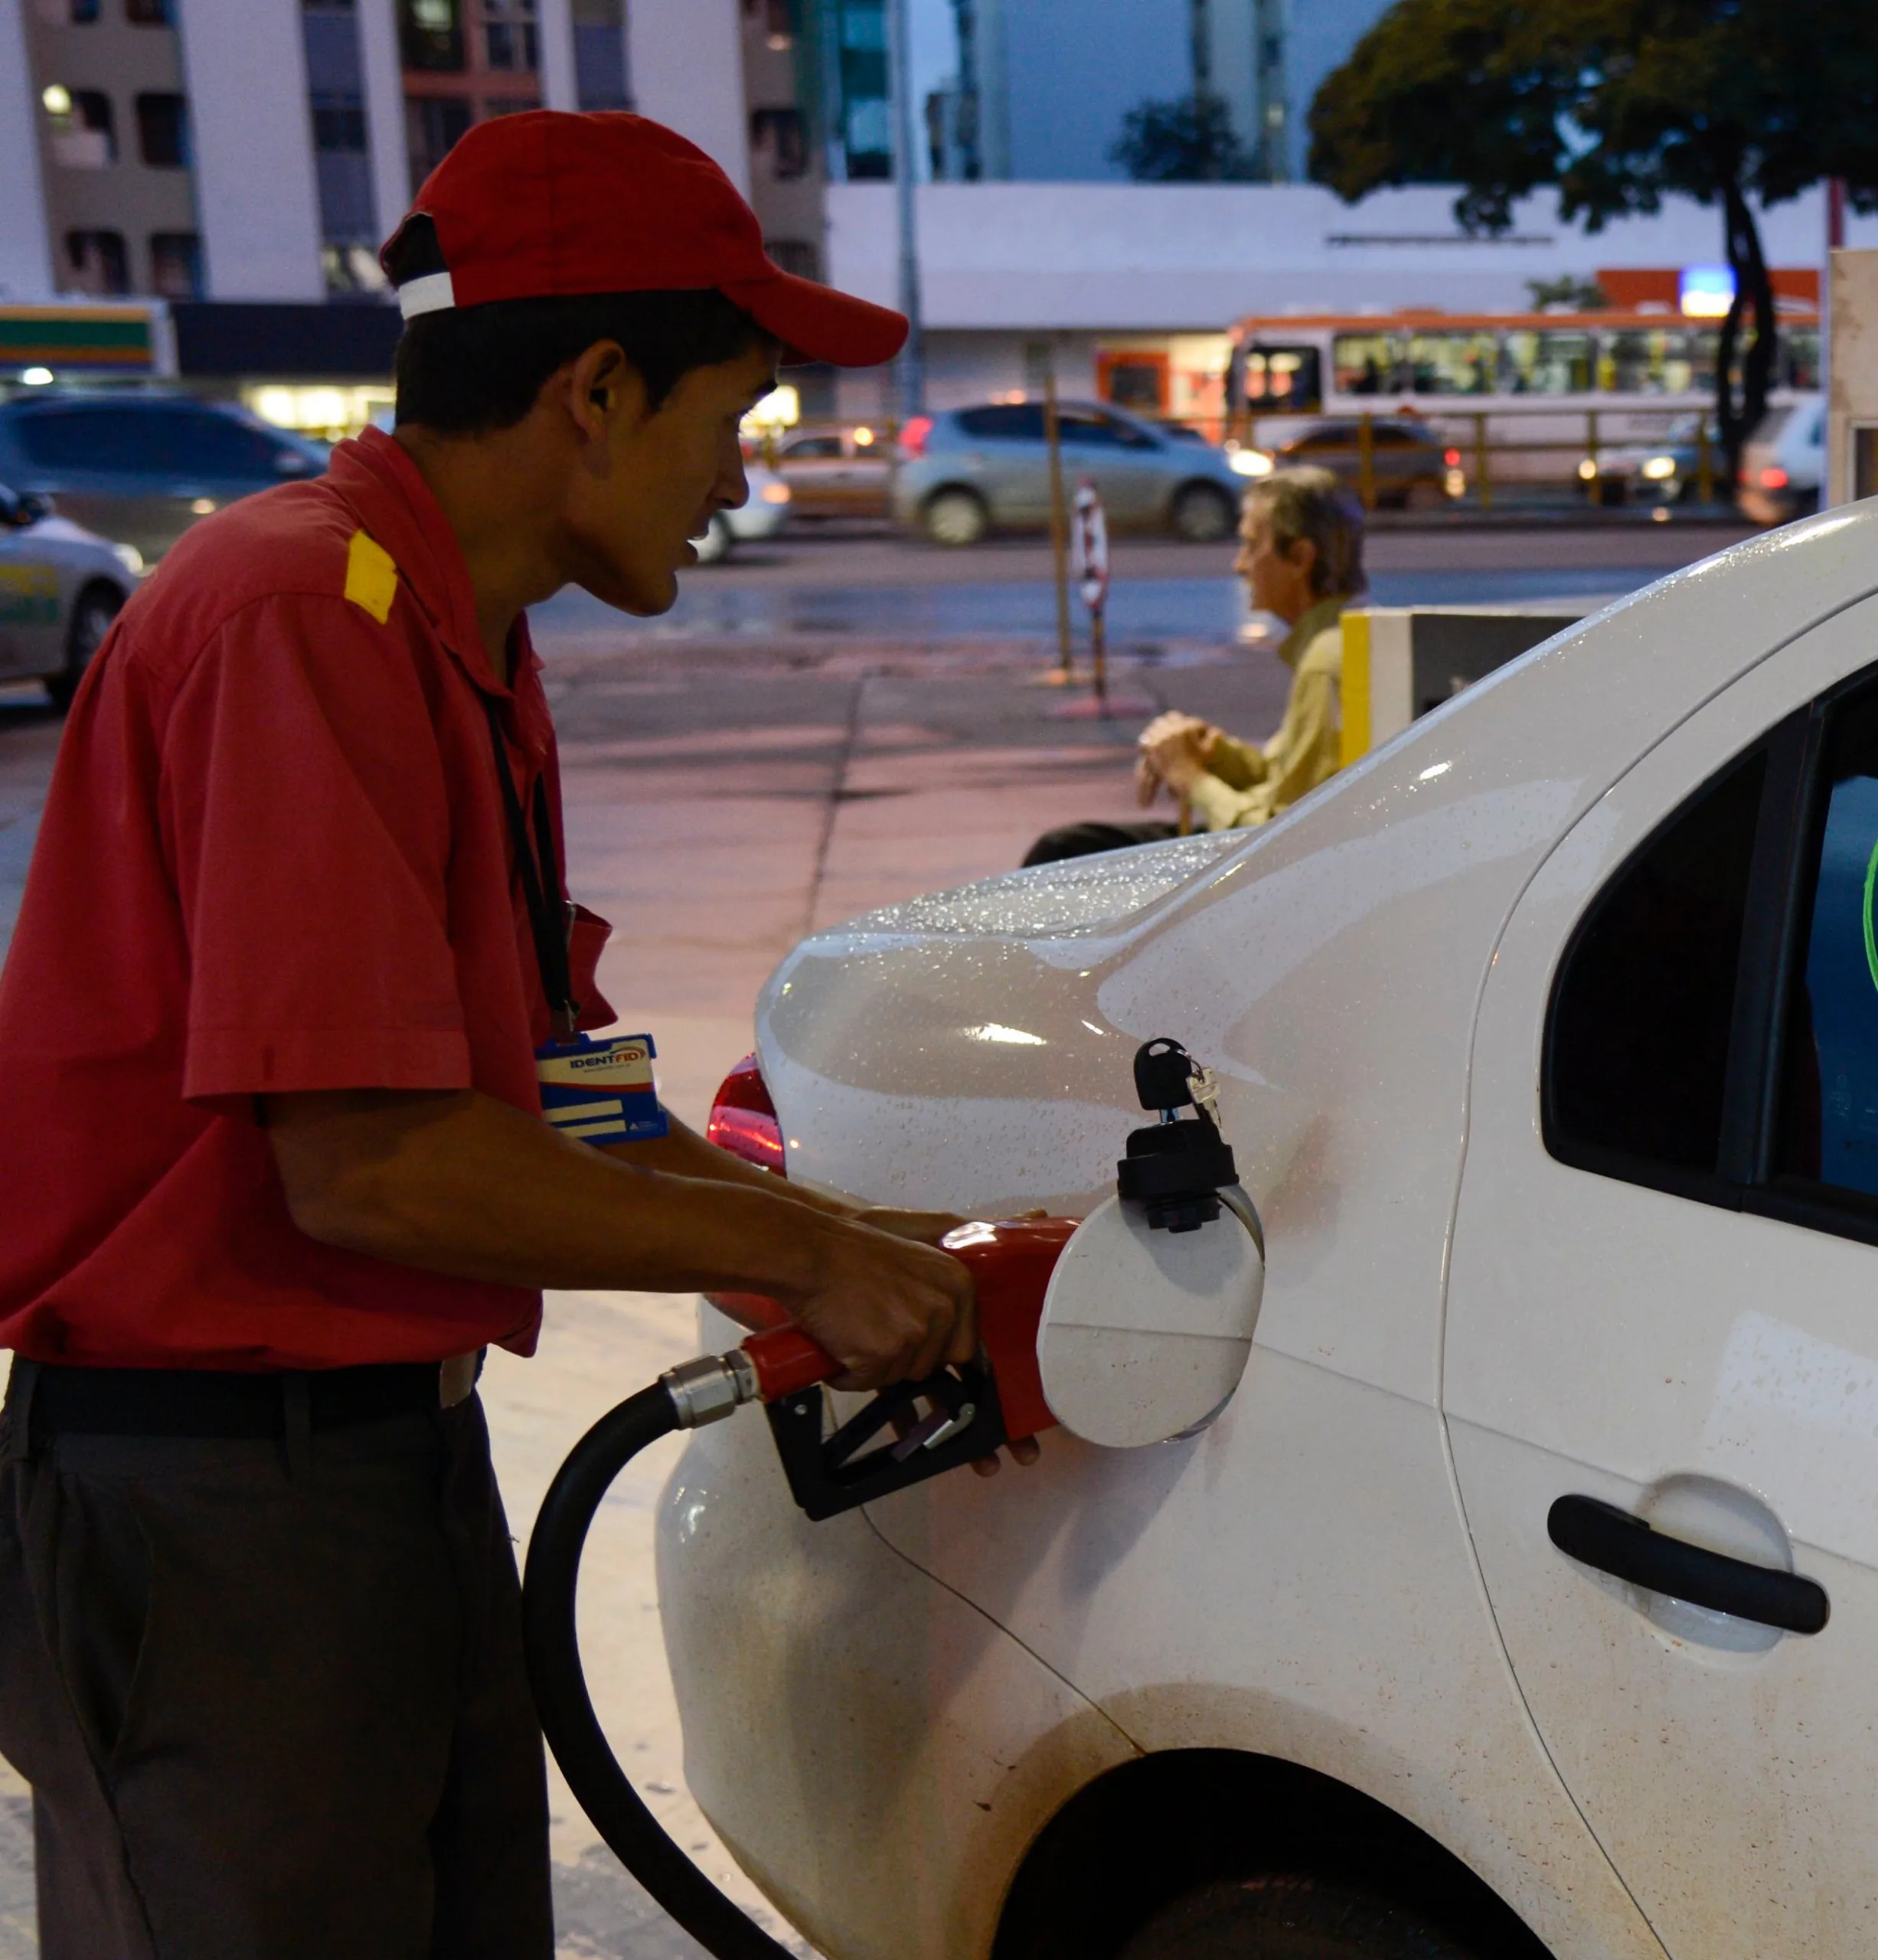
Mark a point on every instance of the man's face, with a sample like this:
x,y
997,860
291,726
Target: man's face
x,y
1277,582
652,484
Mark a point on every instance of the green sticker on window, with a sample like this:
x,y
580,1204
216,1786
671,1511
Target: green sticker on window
x,y
1871,937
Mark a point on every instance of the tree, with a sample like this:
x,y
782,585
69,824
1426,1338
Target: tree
x,y
1579,295
1187,141
1619,103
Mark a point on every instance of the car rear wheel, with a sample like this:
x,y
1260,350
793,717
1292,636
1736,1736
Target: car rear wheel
x,y
1202,515
956,517
98,606
1287,1916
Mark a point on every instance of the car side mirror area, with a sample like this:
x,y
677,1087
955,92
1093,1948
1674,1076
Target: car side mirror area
x,y
25,508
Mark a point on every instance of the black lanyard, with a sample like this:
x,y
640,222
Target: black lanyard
x,y
548,915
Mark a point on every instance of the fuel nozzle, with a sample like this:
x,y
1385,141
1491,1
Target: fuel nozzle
x,y
1175,1169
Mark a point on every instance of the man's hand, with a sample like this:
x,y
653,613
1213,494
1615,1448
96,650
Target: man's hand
x,y
888,1309
928,1227
1174,748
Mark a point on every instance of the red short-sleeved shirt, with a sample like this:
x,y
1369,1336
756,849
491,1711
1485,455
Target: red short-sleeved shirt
x,y
274,857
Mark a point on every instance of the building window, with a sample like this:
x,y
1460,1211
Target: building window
x,y
84,133
339,124
795,255
510,44
148,13
600,54
430,34
163,131
432,126
779,142
98,263
176,265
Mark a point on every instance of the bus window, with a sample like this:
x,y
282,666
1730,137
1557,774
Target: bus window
x,y
1452,363
1652,361
1283,378
1364,363
1552,361
1799,358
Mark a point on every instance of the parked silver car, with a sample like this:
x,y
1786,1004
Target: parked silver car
x,y
61,587
968,471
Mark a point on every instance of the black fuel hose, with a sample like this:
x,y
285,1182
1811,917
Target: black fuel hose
x,y
552,1640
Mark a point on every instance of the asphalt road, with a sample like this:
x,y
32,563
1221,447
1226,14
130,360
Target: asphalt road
x,y
836,583
821,727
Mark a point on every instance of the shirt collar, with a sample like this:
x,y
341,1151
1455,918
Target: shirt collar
x,y
1326,612
385,487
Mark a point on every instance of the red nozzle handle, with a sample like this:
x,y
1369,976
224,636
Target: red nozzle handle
x,y
786,1360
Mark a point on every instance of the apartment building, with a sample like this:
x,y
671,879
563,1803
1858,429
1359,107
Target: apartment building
x,y
222,172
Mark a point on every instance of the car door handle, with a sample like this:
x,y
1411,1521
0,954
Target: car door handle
x,y
1601,1535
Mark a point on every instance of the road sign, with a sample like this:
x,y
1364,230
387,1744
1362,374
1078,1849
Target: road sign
x,y
1090,545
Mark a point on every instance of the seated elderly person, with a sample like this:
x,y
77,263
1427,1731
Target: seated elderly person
x,y
1301,555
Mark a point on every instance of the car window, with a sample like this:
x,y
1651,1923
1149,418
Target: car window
x,y
206,444
810,447
1829,1126
1006,422
1399,436
1103,431
78,439
155,441
1637,1045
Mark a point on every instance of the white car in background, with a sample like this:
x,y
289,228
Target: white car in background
x,y
61,587
762,515
1523,1599
1783,464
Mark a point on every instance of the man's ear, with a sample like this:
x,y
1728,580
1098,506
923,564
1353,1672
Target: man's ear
x,y
1303,554
603,389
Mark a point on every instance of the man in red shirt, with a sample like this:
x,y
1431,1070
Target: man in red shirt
x,y
274,1170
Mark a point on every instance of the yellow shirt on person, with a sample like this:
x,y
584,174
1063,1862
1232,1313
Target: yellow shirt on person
x,y
1248,785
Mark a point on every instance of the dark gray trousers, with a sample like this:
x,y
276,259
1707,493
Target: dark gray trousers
x,y
270,1695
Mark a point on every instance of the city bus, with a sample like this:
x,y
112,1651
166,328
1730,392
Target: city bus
x,y
1545,393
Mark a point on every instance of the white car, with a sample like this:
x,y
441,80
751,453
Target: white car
x,y
1549,1042
1783,465
762,515
61,587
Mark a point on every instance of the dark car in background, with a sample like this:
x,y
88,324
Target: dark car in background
x,y
966,472
141,467
1411,467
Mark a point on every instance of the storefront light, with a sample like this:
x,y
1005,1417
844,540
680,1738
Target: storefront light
x,y
781,408
329,412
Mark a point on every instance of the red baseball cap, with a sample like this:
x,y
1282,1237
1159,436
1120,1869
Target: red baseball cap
x,y
549,204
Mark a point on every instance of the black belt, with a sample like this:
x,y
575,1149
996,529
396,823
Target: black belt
x,y
209,1403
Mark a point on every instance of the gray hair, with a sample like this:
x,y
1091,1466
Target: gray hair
x,y
1310,503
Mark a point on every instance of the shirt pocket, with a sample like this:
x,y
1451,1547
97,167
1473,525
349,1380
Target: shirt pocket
x,y
586,940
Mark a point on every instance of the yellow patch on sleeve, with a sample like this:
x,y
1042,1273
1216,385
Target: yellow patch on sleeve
x,y
372,578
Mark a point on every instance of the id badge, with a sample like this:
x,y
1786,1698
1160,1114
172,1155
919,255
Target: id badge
x,y
602,1091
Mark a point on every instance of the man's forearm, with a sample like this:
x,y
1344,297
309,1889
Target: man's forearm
x,y
684,1154
463,1184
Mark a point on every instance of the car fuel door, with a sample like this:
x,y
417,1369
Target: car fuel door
x,y
1660,1371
